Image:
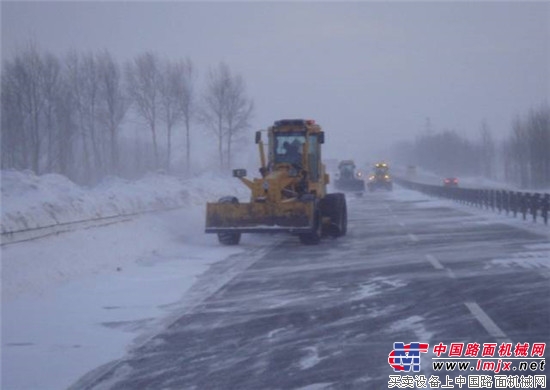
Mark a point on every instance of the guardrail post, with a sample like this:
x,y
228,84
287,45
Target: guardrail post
x,y
502,200
535,201
524,204
480,198
514,203
506,200
544,206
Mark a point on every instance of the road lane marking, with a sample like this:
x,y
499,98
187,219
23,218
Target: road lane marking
x,y
432,259
412,237
490,326
437,265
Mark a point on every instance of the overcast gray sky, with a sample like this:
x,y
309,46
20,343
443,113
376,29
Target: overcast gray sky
x,y
368,72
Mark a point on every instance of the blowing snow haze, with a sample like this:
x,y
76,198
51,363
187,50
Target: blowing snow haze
x,y
121,121
370,73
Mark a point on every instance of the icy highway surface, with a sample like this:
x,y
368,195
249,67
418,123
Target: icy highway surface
x,y
312,317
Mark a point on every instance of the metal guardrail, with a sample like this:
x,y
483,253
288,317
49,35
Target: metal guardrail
x,y
511,202
34,233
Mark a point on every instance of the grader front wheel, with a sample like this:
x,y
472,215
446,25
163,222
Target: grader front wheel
x,y
314,237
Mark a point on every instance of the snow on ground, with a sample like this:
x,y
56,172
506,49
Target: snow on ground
x,y
77,300
421,200
48,199
536,256
30,201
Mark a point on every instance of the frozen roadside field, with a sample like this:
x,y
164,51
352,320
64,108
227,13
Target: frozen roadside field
x,y
76,300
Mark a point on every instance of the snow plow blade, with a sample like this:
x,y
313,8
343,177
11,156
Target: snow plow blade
x,y
291,217
350,185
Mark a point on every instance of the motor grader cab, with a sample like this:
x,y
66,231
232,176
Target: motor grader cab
x,y
291,194
380,178
348,179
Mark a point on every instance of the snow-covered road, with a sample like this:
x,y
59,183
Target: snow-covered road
x,y
410,269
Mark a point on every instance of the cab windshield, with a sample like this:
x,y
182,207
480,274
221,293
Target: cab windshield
x,y
347,171
288,147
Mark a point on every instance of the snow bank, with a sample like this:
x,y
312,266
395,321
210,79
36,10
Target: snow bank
x,y
74,301
30,201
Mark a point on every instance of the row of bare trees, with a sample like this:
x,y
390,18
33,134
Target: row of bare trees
x,y
66,115
526,152
522,158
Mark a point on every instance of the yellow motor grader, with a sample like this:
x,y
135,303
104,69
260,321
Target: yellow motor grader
x,y
380,178
291,194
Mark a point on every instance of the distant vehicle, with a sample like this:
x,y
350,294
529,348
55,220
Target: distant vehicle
x,y
380,178
348,179
450,182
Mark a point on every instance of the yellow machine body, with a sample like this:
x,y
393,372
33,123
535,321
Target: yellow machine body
x,y
285,198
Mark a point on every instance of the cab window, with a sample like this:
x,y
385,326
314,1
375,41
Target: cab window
x,y
313,157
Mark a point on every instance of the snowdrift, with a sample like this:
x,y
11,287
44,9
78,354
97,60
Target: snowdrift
x,y
31,201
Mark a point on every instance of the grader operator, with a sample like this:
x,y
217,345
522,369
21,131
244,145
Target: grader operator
x,y
291,194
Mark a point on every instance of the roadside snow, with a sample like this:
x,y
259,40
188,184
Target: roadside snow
x,y
488,216
77,300
30,201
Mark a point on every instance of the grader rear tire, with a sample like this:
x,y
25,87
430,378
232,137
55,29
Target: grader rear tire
x,y
229,238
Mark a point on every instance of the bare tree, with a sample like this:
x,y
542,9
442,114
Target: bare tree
x,y
113,103
446,153
14,152
213,107
171,89
226,110
74,75
90,85
51,87
28,70
487,150
187,106
538,132
238,112
143,81
67,135
29,85
83,76
520,152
